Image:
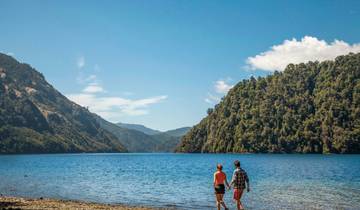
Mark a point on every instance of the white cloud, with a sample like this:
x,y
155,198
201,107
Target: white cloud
x,y
212,99
91,78
294,51
113,108
80,62
93,88
81,78
222,87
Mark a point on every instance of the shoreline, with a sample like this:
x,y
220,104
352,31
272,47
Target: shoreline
x,y
11,202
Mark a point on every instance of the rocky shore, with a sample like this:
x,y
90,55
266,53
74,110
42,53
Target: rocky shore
x,y
51,204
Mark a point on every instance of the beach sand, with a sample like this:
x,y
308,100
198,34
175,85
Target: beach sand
x,y
47,204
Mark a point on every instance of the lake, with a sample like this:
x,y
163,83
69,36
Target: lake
x,y
184,181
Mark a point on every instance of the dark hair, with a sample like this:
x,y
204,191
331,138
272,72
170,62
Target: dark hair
x,y
219,166
237,163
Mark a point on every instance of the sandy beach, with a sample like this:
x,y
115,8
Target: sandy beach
x,y
47,204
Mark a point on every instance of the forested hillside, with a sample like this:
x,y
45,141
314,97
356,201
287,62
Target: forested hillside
x,y
308,108
137,141
138,127
179,132
36,118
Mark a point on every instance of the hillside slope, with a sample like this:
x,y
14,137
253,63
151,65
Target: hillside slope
x,y
178,132
133,140
137,141
36,118
308,108
138,127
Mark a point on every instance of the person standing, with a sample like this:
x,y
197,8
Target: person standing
x,y
240,182
219,186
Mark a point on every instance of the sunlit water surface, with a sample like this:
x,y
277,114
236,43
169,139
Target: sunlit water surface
x,y
184,181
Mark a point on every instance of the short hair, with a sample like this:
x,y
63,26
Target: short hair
x,y
237,163
219,166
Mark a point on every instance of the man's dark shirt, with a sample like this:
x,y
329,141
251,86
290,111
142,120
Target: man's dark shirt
x,y
239,178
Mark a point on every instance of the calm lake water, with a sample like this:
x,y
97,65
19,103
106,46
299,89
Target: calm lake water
x,y
184,181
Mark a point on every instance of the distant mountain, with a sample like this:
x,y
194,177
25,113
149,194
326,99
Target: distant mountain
x,y
178,132
308,108
138,127
165,142
36,118
137,141
133,140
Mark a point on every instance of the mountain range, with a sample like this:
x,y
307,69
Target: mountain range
x,y
138,138
36,118
138,127
307,108
175,132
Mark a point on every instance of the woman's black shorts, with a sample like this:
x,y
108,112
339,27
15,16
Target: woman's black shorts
x,y
220,189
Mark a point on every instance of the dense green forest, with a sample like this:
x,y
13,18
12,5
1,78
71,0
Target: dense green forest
x,y
36,118
307,108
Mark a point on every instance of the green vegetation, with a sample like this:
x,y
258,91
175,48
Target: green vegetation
x,y
138,127
36,118
308,108
137,141
179,132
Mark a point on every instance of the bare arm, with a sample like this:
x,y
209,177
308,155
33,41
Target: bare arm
x,y
226,182
214,179
233,178
247,182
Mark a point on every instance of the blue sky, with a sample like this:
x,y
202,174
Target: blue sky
x,y
163,63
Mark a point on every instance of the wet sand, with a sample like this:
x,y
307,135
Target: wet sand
x,y
47,204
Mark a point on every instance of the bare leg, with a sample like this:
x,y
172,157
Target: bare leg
x,y
222,201
218,201
238,202
239,205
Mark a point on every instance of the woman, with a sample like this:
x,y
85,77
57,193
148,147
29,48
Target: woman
x,y
219,185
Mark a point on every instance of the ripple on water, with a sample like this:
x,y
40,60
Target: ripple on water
x,y
185,180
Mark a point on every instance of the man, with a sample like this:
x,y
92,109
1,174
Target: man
x,y
238,182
